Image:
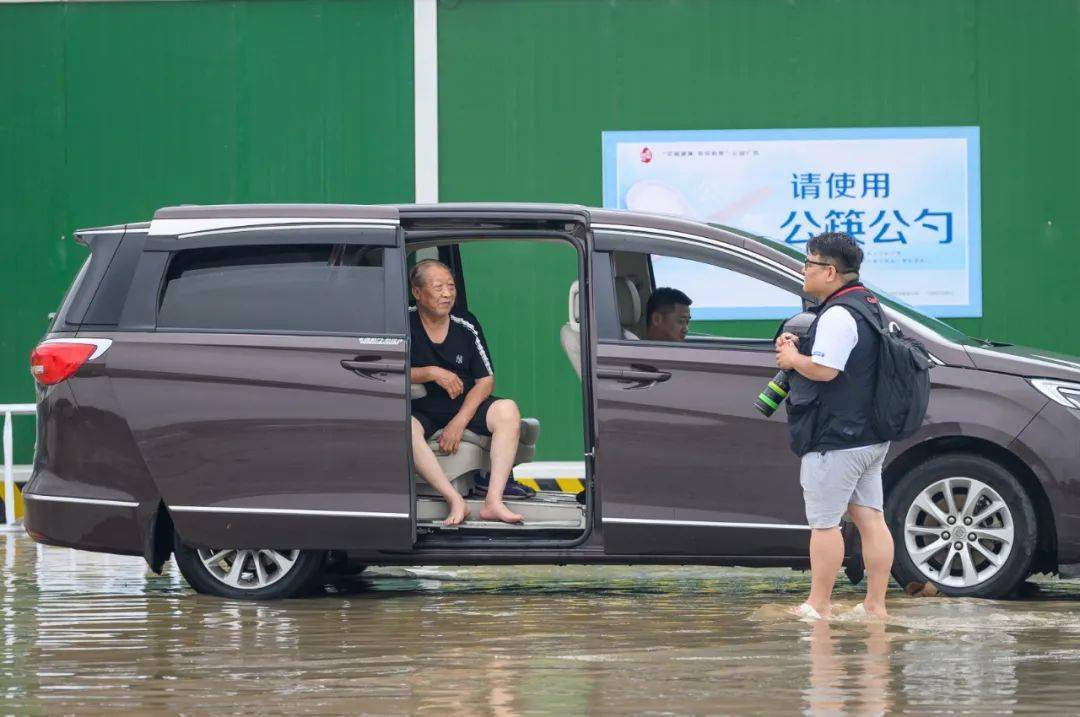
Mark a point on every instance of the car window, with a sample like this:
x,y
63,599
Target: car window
x,y
72,311
725,303
311,288
59,319
427,252
949,332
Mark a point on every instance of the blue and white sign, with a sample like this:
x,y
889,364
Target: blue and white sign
x,y
910,196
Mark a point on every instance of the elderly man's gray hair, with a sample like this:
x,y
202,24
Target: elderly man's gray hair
x,y
418,274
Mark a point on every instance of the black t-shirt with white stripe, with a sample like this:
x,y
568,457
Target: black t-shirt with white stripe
x,y
463,351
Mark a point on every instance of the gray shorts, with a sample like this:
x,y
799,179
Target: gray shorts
x,y
833,479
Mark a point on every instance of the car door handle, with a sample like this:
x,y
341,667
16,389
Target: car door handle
x,y
636,375
368,367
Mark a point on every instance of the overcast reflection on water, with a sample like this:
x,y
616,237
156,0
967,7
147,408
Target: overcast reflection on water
x,y
92,634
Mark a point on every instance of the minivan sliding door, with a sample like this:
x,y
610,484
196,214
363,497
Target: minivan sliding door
x,y
688,466
265,384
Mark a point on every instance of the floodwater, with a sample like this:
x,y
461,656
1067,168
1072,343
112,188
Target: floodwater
x,y
87,634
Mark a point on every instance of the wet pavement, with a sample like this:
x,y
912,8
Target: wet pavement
x,y
88,634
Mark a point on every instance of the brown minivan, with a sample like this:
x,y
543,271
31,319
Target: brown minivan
x,y
228,384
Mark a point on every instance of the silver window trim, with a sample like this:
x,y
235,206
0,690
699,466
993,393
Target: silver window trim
x,y
281,227
174,227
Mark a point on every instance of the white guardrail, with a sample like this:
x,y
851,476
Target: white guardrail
x,y
9,410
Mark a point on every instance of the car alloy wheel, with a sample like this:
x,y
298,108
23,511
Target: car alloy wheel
x,y
959,532
248,569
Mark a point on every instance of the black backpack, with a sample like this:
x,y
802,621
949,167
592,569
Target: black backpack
x,y
902,390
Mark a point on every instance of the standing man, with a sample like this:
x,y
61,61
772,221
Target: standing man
x,y
450,359
832,387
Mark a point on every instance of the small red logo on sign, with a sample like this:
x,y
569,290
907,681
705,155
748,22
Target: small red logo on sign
x,y
646,155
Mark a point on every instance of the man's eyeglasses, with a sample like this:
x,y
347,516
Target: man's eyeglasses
x,y
808,262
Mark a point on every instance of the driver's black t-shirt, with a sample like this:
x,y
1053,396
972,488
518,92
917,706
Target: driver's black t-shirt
x,y
463,352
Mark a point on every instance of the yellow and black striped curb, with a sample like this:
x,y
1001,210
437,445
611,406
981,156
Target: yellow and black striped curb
x,y
559,485
19,504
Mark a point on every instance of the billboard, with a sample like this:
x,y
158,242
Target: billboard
x,y
909,196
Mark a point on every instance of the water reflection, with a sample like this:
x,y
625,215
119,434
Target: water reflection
x,y
849,679
92,634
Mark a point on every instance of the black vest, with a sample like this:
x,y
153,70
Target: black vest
x,y
828,415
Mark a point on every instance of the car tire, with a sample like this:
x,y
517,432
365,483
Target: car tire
x,y
279,573
981,544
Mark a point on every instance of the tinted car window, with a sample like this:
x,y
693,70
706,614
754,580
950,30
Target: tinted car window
x,y
320,288
942,328
716,293
86,283
59,320
721,296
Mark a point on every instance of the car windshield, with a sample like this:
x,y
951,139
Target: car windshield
x,y
936,325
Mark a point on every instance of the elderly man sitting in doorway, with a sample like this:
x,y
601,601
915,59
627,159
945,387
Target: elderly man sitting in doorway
x,y
449,357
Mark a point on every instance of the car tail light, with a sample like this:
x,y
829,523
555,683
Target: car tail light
x,y
57,359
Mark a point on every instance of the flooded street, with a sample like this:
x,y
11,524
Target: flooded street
x,y
89,634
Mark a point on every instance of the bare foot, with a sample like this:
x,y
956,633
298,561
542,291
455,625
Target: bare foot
x,y
806,612
825,611
876,612
498,511
459,511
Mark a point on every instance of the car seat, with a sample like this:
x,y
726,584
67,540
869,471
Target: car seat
x,y
629,302
473,454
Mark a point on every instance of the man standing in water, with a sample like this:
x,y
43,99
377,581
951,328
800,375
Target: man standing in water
x,y
832,387
450,359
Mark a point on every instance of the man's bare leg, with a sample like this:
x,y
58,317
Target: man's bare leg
x,y
877,553
427,465
826,556
504,422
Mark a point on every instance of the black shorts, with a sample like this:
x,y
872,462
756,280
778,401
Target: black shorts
x,y
436,420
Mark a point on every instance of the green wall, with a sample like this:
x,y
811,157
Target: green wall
x,y
535,82
527,87
520,294
110,110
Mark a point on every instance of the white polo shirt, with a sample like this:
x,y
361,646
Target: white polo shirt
x,y
835,338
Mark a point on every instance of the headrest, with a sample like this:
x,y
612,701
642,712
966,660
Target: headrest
x,y
629,301
574,307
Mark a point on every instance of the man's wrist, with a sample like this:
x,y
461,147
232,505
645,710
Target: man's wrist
x,y
804,365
